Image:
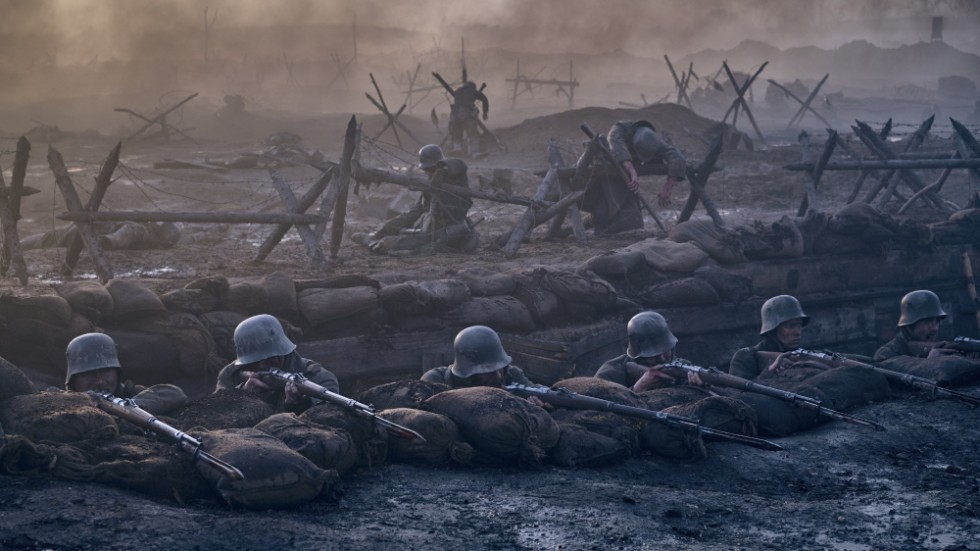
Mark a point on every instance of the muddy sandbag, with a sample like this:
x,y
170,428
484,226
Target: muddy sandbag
x,y
580,447
850,386
215,285
326,448
796,373
280,295
443,443
50,309
36,345
688,291
661,398
602,389
486,283
247,297
88,298
189,301
371,439
781,418
672,442
221,324
947,371
582,288
402,298
20,456
276,477
135,463
723,245
409,393
131,298
337,282
444,294
780,239
148,358
540,302
503,313
319,306
729,286
13,381
225,409
195,347
56,417
615,263
622,428
811,227
835,243
671,256
721,413
503,427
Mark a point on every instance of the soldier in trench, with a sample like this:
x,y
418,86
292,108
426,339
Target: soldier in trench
x,y
783,321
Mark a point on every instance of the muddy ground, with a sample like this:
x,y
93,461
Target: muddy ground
x,y
837,487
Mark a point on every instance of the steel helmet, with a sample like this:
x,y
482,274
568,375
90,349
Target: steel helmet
x,y
260,337
648,336
478,350
429,156
645,143
90,352
781,309
919,305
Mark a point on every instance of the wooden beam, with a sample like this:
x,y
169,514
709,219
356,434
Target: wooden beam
x,y
351,138
11,240
798,100
81,216
526,223
102,182
304,203
699,180
798,117
305,233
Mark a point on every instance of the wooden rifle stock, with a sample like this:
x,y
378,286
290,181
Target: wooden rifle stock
x,y
565,398
127,409
310,389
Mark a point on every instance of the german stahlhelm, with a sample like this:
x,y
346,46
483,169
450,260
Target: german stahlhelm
x,y
780,309
90,352
478,350
429,156
648,336
259,338
920,305
645,143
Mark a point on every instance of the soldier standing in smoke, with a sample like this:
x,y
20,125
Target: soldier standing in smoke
x,y
464,125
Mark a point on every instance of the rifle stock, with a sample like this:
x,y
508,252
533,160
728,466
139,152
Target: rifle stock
x,y
838,360
127,409
565,398
715,377
310,389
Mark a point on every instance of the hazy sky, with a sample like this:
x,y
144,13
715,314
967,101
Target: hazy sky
x,y
78,30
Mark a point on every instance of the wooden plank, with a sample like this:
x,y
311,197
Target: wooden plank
x,y
14,195
527,221
699,181
11,240
351,138
102,182
305,232
63,179
190,217
880,148
305,202
816,172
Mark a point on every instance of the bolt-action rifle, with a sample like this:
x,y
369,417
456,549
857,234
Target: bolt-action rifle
x,y
306,387
713,376
839,360
568,399
963,346
127,409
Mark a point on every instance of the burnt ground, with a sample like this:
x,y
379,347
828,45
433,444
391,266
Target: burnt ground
x,y
836,487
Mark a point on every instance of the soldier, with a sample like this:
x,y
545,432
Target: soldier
x,y
921,314
651,345
782,327
94,365
438,220
114,236
463,121
261,344
613,203
480,360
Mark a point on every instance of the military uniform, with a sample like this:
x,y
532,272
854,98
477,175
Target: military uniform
x,y
437,221
444,375
463,113
617,371
231,376
744,363
899,346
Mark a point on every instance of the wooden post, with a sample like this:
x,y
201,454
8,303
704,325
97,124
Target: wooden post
x,y
351,138
813,176
305,202
161,118
934,187
971,286
798,100
305,233
189,217
798,117
681,93
63,179
14,197
880,148
914,142
740,98
11,240
527,222
517,80
699,180
102,182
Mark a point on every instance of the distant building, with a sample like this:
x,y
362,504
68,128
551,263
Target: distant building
x,y
937,28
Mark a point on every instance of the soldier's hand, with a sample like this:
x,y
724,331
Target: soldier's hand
x,y
694,379
653,378
663,198
939,352
781,363
293,395
538,402
254,384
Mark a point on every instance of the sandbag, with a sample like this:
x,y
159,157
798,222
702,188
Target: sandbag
x,y
581,288
580,447
948,371
148,358
280,295
13,381
443,443
189,301
276,477
722,244
780,239
671,256
36,345
721,413
444,294
486,283
56,417
48,309
729,286
541,303
504,428
88,298
781,418
225,409
615,263
326,448
246,297
426,297
672,442
195,347
662,398
217,286
688,291
602,389
131,299
503,313
850,386
409,393
221,325
370,438
319,306
622,428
